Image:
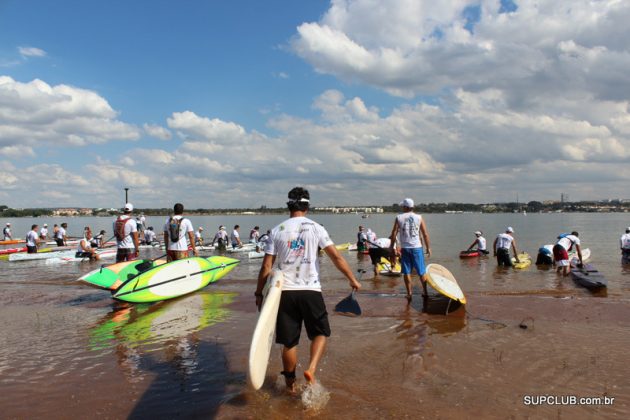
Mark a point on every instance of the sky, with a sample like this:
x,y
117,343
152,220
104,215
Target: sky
x,y
220,104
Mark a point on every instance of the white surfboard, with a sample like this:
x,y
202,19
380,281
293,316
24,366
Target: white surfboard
x,y
262,340
444,282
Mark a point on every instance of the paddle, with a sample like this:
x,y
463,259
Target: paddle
x,y
349,306
103,243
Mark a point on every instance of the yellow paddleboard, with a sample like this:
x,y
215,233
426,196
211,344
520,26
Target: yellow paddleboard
x,y
385,267
444,282
524,261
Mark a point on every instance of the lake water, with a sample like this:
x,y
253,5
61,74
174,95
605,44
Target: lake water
x,y
74,352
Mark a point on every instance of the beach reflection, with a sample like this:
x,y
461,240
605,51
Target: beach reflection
x,y
138,325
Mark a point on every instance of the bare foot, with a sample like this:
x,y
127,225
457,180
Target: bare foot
x,y
309,376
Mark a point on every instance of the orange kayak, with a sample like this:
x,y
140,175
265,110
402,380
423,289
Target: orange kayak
x,y
12,242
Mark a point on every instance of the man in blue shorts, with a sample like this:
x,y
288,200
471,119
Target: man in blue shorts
x,y
407,229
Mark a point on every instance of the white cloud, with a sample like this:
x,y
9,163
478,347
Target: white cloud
x,y
157,131
36,113
31,52
410,47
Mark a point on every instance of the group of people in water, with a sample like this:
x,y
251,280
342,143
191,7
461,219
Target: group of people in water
x,y
293,247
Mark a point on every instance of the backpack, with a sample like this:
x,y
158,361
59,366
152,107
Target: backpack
x,y
119,228
173,228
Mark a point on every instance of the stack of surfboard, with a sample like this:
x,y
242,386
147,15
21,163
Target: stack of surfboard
x,y
152,281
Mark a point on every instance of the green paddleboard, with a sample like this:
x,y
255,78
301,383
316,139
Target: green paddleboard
x,y
106,276
174,279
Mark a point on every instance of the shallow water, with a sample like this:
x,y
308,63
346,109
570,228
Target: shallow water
x,y
76,353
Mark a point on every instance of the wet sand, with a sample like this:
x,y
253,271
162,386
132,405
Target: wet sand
x,y
70,352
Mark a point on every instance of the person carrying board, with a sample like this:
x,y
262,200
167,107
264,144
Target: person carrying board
x,y
293,247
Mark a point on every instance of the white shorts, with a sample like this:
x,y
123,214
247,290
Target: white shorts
x,y
562,263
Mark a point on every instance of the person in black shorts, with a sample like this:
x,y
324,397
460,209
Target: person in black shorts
x,y
294,244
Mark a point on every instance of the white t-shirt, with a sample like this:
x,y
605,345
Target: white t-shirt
x,y
184,227
383,242
235,236
197,235
409,230
86,244
221,234
149,236
60,233
568,241
625,241
295,244
43,232
130,227
254,235
504,241
31,238
7,233
481,243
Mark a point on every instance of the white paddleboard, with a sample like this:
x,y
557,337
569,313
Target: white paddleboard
x,y
444,282
262,340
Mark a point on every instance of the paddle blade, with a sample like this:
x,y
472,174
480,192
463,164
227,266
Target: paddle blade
x,y
349,306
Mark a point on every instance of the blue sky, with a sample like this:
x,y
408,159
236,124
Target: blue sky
x,y
359,101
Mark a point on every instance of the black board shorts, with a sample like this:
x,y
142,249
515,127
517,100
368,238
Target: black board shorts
x,y
31,249
297,306
377,253
503,257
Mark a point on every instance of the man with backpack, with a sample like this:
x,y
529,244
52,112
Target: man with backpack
x,y
176,229
126,233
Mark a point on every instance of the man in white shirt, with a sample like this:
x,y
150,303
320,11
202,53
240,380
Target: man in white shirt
x,y
43,232
32,240
254,234
220,238
7,232
198,238
561,252
502,244
408,227
176,230
379,249
60,235
126,233
294,245
84,248
149,235
480,243
624,244
235,238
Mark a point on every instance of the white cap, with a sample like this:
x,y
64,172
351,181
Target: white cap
x,y
628,229
8,224
509,229
200,228
222,227
128,207
45,224
478,233
407,202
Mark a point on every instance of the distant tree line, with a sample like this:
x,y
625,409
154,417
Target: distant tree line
x,y
530,207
